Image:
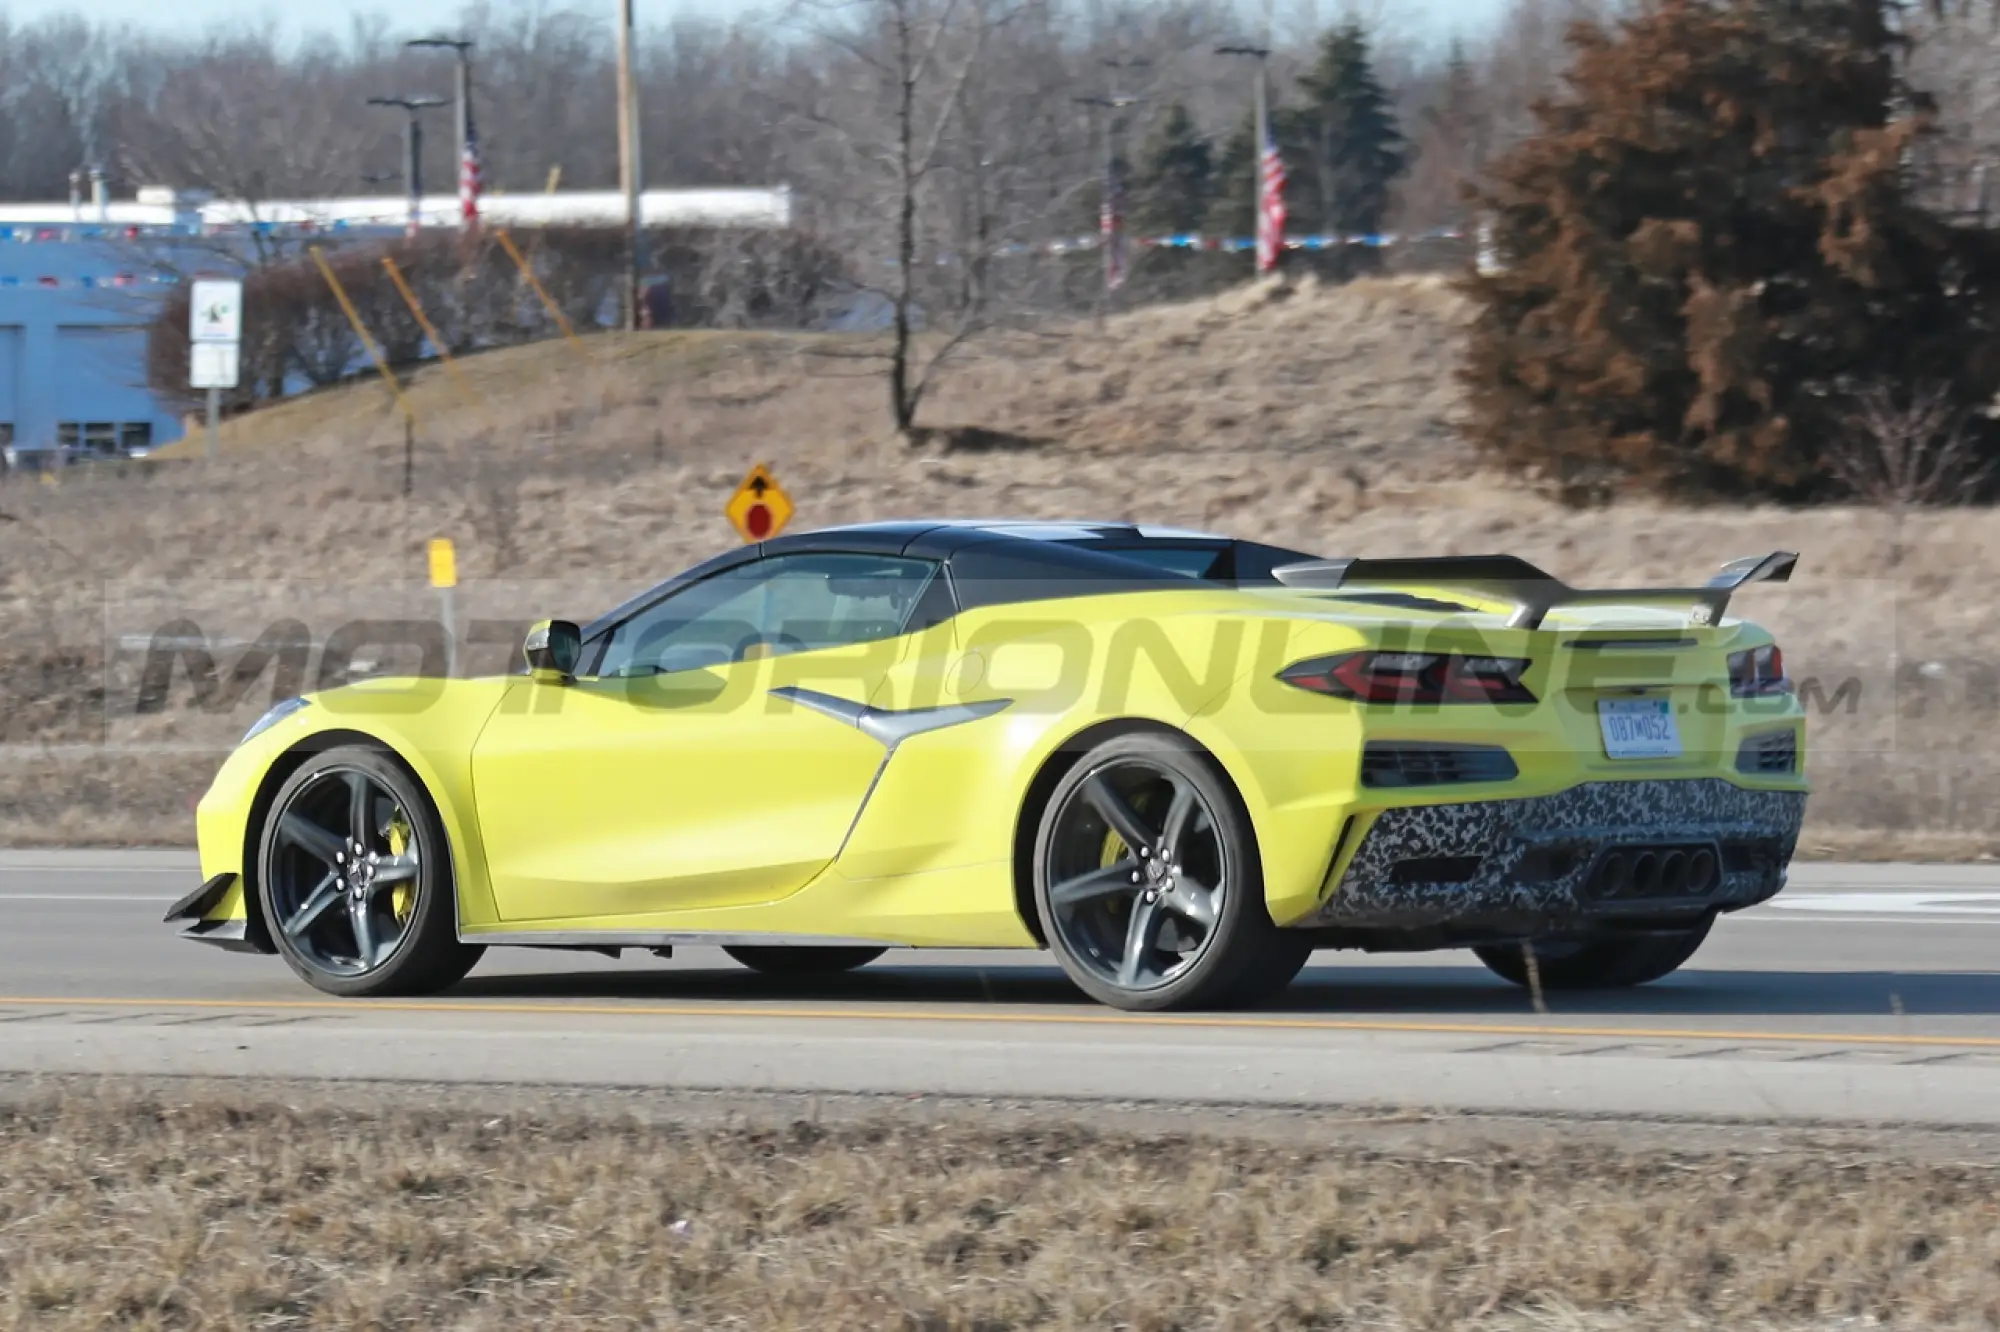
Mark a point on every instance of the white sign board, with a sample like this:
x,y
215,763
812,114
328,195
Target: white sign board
x,y
215,314
214,365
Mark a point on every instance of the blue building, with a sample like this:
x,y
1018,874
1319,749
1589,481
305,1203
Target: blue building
x,y
73,318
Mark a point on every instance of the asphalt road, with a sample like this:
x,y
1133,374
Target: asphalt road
x,y
1862,994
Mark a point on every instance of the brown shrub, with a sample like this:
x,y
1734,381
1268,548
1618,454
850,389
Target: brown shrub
x,y
1708,246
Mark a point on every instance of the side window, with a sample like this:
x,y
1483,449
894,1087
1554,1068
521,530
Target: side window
x,y
793,603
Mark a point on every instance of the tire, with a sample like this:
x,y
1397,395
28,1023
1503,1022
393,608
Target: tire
x,y
1097,895
787,960
400,891
1607,964
1284,958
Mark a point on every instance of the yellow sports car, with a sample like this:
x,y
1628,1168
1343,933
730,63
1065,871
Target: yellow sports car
x,y
1178,762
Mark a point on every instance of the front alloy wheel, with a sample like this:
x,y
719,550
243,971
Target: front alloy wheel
x,y
1147,880
355,881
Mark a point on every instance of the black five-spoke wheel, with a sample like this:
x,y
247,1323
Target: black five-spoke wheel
x,y
1147,881
355,881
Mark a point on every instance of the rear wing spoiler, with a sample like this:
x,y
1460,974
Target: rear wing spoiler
x,y
1533,593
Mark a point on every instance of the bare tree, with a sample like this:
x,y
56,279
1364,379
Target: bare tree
x,y
1904,450
56,78
878,122
938,139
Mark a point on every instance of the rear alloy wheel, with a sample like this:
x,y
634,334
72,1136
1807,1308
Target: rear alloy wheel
x,y
797,960
356,881
1147,881
1603,964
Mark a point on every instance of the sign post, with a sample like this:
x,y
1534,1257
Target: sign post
x,y
760,508
444,577
215,345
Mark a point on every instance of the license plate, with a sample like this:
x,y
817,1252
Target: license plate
x,y
1639,728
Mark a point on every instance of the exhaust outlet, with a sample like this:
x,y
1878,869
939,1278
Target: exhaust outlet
x,y
1701,871
1645,873
1610,880
1674,874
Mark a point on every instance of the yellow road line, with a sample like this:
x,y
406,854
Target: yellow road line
x,y
1106,1019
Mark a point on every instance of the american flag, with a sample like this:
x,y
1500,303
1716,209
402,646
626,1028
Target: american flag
x,y
1112,226
468,177
1270,206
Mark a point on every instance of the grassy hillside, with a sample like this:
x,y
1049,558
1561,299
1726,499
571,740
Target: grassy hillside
x,y
1322,417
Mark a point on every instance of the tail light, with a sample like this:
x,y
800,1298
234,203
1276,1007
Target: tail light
x,y
1758,671
1412,677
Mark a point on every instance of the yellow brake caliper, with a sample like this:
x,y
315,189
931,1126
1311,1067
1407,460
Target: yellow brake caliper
x,y
404,894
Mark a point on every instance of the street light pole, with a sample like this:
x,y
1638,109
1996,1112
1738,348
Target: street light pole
x,y
462,48
1111,238
413,148
1262,55
628,161
1112,222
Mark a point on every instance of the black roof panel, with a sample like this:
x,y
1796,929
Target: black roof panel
x,y
1001,560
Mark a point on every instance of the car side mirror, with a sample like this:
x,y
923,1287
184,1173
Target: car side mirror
x,y
553,648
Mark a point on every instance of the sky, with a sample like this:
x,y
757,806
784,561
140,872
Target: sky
x,y
1418,19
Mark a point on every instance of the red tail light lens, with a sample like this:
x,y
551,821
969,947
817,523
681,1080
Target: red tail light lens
x,y
1758,671
1412,677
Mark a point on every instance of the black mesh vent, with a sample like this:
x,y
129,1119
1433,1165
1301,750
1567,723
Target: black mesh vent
x,y
1404,764
1771,753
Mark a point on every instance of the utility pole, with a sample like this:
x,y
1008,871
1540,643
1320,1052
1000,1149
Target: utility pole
x,y
413,148
628,161
1262,55
463,101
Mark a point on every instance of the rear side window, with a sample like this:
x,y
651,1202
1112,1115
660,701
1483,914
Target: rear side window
x,y
791,603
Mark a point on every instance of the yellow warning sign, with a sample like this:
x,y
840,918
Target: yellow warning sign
x,y
444,563
760,508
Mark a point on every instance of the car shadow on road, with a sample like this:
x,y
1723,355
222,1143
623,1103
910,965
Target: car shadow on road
x,y
1326,989
1690,993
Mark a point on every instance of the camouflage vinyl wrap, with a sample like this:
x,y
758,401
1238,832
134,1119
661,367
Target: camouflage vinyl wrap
x,y
1535,854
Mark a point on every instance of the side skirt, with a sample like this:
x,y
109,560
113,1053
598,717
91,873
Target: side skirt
x,y
604,939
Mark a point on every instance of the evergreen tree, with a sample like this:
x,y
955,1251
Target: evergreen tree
x,y
1710,248
1233,208
1353,149
1176,183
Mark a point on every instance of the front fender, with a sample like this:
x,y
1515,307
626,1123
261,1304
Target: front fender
x,y
430,725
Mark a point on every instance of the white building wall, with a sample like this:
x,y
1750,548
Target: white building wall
x,y
658,208
74,356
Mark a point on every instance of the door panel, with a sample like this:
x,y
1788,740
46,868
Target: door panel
x,y
677,779
609,798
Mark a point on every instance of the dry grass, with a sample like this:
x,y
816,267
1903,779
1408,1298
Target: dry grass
x,y
1320,417
170,1211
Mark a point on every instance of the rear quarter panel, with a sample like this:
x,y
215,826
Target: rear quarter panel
x,y
948,808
